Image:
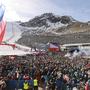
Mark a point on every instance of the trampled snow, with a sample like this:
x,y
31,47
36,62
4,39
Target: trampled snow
x,y
8,50
19,50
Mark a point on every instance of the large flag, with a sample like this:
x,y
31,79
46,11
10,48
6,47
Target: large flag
x,y
2,23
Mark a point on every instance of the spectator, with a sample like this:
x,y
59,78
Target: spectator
x,y
35,83
26,85
59,83
87,87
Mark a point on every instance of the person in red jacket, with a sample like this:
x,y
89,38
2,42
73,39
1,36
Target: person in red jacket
x,y
87,86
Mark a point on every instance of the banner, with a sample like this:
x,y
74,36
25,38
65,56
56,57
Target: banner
x,y
53,47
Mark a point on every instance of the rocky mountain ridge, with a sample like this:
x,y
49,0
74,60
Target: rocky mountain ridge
x,y
49,27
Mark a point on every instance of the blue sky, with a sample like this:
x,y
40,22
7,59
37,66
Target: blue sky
x,y
26,9
79,9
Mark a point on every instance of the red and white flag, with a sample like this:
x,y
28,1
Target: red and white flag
x,y
53,48
2,23
2,30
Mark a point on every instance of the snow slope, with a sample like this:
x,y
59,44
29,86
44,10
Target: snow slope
x,y
8,50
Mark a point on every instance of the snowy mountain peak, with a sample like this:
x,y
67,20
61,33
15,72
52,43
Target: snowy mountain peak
x,y
47,22
43,20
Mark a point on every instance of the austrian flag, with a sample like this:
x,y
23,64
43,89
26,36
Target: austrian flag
x,y
53,47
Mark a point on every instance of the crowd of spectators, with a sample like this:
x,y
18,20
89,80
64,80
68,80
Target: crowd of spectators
x,y
51,72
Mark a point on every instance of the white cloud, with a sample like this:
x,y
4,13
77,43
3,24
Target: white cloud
x,y
16,9
11,15
10,12
25,9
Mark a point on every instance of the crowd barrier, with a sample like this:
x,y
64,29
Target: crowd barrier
x,y
17,84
